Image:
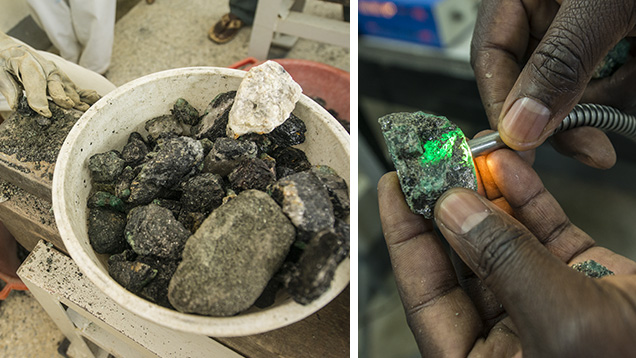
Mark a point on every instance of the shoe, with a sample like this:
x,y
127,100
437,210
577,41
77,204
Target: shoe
x,y
225,29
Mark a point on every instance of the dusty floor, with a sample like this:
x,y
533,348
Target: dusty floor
x,y
151,38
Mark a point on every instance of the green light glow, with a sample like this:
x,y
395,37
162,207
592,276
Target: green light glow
x,y
436,150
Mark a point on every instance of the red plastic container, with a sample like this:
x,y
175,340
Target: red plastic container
x,y
317,80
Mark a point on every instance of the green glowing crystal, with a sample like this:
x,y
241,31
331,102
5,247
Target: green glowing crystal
x,y
430,154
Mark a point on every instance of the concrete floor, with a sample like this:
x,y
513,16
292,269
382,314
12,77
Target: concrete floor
x,y
150,38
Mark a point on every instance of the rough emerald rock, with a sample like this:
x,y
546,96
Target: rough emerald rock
x,y
292,159
122,188
614,59
290,133
203,193
153,230
163,126
592,268
173,205
431,156
185,113
305,201
106,231
314,272
336,187
226,154
191,220
135,150
215,117
343,229
157,289
102,199
251,173
265,98
106,167
176,158
229,260
132,275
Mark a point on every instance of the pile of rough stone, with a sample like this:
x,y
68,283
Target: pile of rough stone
x,y
214,213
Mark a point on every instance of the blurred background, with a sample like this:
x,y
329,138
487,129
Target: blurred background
x,y
414,55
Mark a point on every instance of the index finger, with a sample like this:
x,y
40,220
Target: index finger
x,y
443,319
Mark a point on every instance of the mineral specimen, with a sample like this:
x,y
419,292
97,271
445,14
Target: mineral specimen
x,y
132,275
431,156
122,188
592,268
157,289
106,167
264,100
163,127
305,201
336,187
102,199
203,193
106,231
185,113
614,59
153,230
292,158
251,173
175,159
135,150
214,120
226,154
247,239
314,272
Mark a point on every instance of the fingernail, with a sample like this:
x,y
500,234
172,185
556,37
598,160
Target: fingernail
x,y
461,211
525,121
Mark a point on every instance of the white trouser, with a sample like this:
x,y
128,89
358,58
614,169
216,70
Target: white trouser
x,y
83,78
82,30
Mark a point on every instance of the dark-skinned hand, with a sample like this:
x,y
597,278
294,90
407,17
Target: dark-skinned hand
x,y
508,290
533,61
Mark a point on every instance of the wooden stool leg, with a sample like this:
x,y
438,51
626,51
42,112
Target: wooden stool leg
x,y
263,28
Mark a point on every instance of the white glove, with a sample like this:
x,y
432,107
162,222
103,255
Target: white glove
x,y
22,67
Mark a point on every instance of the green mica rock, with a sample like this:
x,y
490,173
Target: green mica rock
x,y
614,59
592,268
431,155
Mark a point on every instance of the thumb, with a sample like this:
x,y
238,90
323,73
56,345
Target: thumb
x,y
521,273
556,74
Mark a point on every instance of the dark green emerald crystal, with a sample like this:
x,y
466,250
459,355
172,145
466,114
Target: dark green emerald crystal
x,y
430,154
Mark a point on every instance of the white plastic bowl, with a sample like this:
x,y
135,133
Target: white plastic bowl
x,y
107,125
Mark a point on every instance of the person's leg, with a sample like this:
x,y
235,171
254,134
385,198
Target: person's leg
x,y
244,10
94,24
54,17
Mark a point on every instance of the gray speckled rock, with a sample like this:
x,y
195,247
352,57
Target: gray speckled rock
x,y
229,260
153,230
305,201
105,167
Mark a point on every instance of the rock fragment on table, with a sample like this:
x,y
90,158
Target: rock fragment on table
x,y
106,230
106,167
265,98
431,155
229,260
305,201
153,230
